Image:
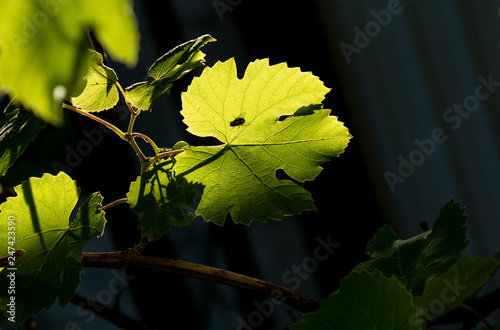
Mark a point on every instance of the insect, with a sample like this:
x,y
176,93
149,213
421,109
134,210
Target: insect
x,y
237,122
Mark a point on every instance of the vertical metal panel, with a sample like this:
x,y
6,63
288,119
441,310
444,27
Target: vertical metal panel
x,y
431,58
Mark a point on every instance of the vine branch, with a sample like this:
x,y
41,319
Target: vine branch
x,y
166,154
97,119
148,140
133,260
110,205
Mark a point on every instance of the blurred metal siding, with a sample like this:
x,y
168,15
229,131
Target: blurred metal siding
x,y
399,86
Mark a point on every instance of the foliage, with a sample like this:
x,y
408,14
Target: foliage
x,y
100,91
17,128
418,259
167,69
51,249
271,120
35,33
239,175
364,301
429,268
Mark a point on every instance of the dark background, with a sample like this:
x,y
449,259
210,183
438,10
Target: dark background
x,y
351,195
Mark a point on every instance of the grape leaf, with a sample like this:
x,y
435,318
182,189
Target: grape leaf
x,y
246,114
162,199
50,266
364,301
167,69
43,47
447,291
418,259
100,91
17,128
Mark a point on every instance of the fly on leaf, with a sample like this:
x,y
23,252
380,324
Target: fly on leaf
x,y
237,122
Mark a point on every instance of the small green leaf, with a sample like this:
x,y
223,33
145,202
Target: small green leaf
x,y
100,91
43,47
365,301
448,291
167,69
246,115
50,266
417,260
17,128
179,145
163,200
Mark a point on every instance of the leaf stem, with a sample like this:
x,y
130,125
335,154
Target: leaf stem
x,y
115,129
166,154
129,105
148,140
130,138
117,202
131,123
132,260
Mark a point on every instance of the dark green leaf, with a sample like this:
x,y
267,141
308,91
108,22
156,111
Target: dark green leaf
x,y
447,291
162,200
18,127
418,259
365,301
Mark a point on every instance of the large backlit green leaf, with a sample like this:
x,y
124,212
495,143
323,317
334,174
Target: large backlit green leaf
x,y
365,301
17,128
100,91
248,116
50,266
418,259
43,47
167,69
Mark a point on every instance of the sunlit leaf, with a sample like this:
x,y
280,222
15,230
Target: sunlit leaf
x,y
50,266
100,91
270,119
43,47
